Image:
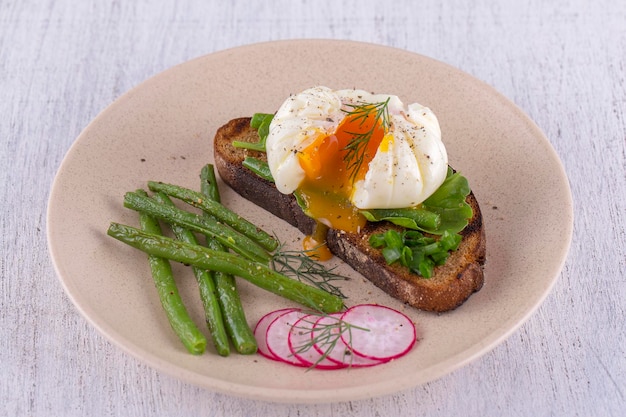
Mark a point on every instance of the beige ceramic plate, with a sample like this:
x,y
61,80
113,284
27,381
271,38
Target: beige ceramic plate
x,y
163,129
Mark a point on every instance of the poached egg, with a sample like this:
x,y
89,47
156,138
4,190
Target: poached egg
x,y
347,150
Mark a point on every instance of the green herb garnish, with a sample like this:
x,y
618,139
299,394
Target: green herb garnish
x,y
356,147
414,250
259,167
298,265
326,336
261,123
445,210
449,201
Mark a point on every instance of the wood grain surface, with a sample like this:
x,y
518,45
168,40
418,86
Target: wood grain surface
x,y
562,62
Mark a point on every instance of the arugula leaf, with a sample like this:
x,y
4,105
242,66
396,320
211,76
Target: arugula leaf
x,y
302,202
410,218
445,209
259,167
449,202
261,123
259,119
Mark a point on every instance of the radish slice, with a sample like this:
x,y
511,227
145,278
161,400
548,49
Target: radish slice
x,y
339,353
260,331
277,337
390,333
364,335
302,346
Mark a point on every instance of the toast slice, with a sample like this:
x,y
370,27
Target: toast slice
x,y
449,287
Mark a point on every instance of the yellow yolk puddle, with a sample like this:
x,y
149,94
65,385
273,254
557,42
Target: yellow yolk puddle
x,y
327,186
315,245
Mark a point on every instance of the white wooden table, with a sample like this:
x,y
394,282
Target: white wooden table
x,y
563,63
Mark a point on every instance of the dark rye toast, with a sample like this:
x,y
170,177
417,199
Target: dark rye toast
x,y
448,288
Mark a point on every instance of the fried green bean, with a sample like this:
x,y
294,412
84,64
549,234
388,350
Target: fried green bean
x,y
208,183
239,332
206,284
218,211
257,273
208,226
175,310
235,321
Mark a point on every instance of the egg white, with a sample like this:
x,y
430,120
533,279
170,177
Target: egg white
x,y
406,169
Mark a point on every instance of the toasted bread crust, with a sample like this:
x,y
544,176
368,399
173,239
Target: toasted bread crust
x,y
228,161
449,287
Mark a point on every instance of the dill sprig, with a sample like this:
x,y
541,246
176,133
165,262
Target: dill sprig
x,y
299,265
325,336
356,147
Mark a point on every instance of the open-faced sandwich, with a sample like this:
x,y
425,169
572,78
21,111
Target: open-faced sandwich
x,y
366,179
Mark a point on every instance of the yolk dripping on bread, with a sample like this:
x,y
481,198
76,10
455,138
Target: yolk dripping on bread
x,y
341,151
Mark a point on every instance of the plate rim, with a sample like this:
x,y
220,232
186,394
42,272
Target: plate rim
x,y
275,395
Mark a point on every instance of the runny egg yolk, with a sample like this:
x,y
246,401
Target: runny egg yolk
x,y
332,165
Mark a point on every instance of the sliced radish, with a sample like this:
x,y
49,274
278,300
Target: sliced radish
x,y
364,335
302,346
333,346
260,331
277,337
390,334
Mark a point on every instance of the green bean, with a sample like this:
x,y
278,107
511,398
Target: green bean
x,y
177,314
208,183
240,333
173,215
256,273
218,211
259,167
235,320
206,285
